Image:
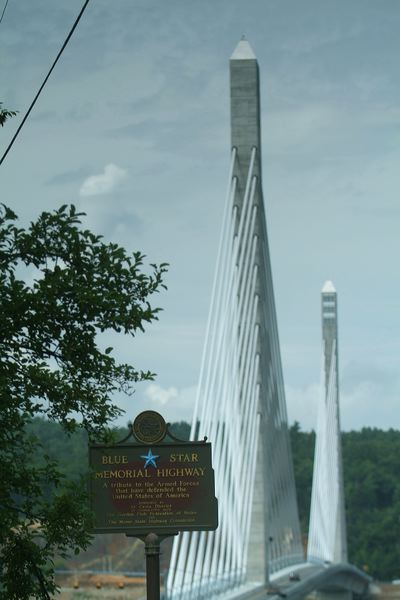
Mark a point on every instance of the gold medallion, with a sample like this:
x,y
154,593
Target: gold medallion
x,y
149,427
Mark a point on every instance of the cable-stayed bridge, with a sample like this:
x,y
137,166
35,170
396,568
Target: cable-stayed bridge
x,y
241,407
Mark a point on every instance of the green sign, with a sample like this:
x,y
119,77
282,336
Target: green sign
x,y
162,487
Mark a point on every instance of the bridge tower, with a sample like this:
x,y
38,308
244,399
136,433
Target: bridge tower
x,y
327,534
240,401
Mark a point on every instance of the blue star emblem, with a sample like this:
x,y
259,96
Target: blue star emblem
x,y
150,459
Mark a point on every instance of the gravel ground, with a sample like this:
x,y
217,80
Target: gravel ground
x,y
136,593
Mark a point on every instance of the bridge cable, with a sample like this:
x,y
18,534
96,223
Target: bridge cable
x,y
78,18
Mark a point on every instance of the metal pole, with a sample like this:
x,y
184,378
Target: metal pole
x,y
152,552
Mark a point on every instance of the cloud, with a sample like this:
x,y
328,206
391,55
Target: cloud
x,y
302,405
160,396
114,219
370,396
173,403
370,405
103,183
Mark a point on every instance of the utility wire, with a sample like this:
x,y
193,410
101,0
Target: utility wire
x,y
4,10
78,18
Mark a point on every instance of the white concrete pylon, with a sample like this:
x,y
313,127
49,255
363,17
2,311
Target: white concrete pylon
x,y
240,403
327,540
243,51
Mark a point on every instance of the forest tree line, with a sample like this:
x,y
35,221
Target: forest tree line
x,y
371,468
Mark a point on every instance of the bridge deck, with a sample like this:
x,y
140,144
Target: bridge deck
x,y
333,578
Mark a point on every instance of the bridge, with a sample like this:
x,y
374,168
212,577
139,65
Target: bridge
x,y
257,551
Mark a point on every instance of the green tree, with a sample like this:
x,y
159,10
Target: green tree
x,y
6,114
52,364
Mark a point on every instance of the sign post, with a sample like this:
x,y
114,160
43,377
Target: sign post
x,y
152,488
152,552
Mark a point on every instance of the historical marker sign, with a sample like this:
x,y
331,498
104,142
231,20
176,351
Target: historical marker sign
x,y
138,488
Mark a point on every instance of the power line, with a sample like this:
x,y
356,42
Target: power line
x,y
4,10
78,18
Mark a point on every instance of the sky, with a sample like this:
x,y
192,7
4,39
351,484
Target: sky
x,y
133,128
